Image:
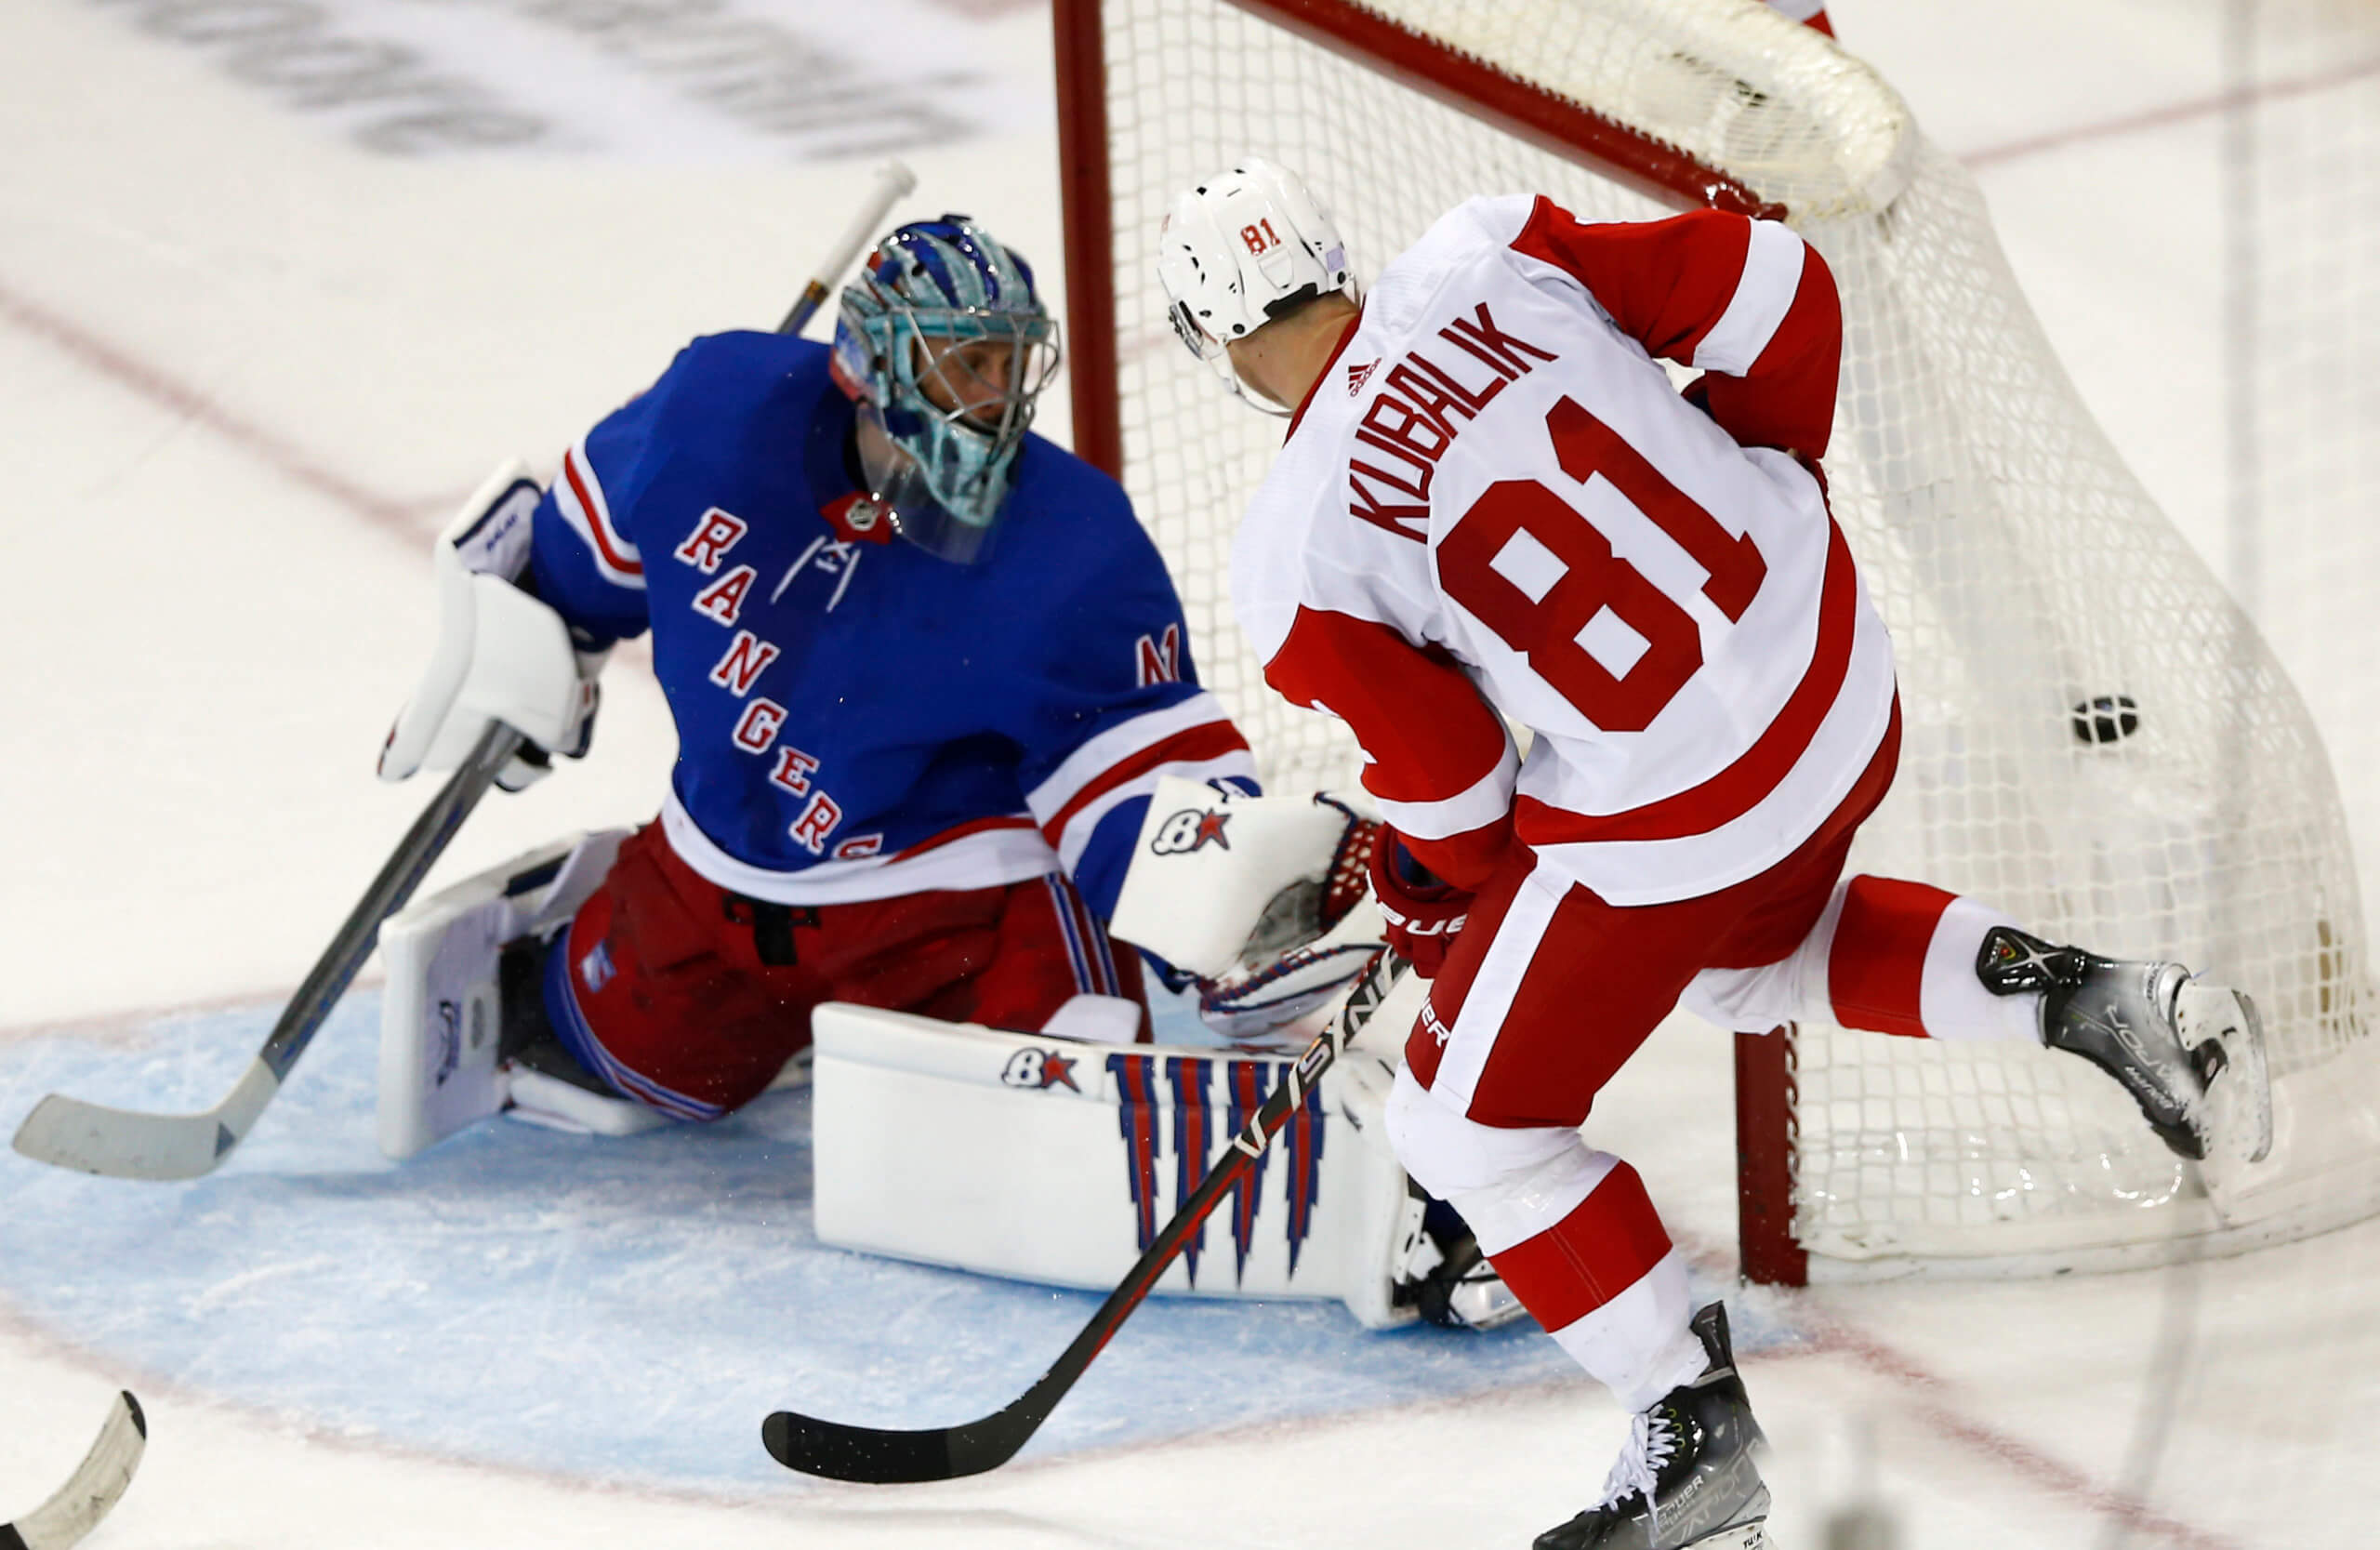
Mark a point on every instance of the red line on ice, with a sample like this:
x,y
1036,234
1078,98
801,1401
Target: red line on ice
x,y
2172,113
168,392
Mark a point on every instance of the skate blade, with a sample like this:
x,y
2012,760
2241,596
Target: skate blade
x,y
1749,1532
2240,1099
1739,1536
2239,1112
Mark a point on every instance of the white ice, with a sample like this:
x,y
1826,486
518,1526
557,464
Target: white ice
x,y
247,367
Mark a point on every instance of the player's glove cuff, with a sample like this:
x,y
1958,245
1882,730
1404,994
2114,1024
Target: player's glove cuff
x,y
1424,912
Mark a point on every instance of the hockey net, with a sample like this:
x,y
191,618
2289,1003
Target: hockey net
x,y
2096,739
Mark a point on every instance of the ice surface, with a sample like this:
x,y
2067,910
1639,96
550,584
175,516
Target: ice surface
x,y
628,1307
247,366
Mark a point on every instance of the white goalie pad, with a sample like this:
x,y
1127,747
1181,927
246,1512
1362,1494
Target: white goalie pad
x,y
1055,1161
1217,878
441,1015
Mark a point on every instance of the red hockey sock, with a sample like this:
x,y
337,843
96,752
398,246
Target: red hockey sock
x,y
1903,960
1876,967
1601,1249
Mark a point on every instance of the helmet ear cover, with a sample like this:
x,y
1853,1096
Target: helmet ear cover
x,y
945,346
1241,249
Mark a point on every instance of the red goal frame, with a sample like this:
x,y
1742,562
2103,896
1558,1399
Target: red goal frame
x,y
1556,124
1764,1062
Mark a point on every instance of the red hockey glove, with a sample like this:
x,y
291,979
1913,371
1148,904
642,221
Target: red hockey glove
x,y
1424,912
1697,392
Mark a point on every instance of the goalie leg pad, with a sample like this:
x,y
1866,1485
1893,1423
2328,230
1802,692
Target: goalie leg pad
x,y
442,1016
1097,1146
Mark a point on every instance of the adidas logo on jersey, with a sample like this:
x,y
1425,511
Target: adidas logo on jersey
x,y
1359,375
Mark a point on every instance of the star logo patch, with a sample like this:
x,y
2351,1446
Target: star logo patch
x,y
1057,1069
1189,830
1039,1071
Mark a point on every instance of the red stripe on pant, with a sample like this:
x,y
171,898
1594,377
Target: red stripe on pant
x,y
1604,1247
1875,971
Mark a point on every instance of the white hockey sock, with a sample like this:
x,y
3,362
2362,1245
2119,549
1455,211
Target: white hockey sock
x,y
1637,1344
1953,1002
1888,955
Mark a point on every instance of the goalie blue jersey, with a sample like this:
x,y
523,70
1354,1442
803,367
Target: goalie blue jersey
x,y
857,719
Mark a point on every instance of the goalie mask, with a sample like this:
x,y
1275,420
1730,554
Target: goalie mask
x,y
945,345
1239,249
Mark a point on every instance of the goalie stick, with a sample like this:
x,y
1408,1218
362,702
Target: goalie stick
x,y
97,1484
124,1143
68,1132
841,1451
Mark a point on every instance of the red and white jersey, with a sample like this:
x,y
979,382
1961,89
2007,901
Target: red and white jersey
x,y
1495,500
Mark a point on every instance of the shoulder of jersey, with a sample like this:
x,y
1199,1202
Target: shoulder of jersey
x,y
1401,304
727,375
1475,232
1069,502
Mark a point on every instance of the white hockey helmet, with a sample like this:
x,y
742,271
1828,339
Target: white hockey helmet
x,y
1237,248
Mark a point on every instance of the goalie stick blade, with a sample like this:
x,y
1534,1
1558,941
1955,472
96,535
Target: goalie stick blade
x,y
122,1143
834,1451
97,1485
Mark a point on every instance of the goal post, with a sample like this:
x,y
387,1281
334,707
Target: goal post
x,y
2096,739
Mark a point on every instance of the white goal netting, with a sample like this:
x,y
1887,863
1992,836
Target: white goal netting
x,y
2097,739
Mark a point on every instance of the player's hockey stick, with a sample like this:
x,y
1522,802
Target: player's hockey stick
x,y
69,1133
864,1453
96,1486
122,1143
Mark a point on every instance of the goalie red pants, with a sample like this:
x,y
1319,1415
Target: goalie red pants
x,y
689,999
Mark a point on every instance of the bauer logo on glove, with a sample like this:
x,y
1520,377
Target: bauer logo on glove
x,y
1424,912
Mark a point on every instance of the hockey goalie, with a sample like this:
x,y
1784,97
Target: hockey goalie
x,y
928,674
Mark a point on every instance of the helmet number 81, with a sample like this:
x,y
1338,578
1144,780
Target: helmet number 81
x,y
1546,629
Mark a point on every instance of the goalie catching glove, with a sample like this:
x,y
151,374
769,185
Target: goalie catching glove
x,y
1424,912
1257,901
502,655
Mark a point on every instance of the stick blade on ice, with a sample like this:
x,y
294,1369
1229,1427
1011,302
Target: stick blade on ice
x,y
96,1486
120,1144
862,1453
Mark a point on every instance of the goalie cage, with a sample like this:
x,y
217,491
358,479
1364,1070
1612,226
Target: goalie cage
x,y
2031,585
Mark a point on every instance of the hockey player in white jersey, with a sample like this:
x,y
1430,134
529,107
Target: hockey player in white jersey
x,y
1493,503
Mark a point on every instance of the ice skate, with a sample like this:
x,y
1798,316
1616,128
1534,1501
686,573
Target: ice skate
x,y
2192,1055
1687,1476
